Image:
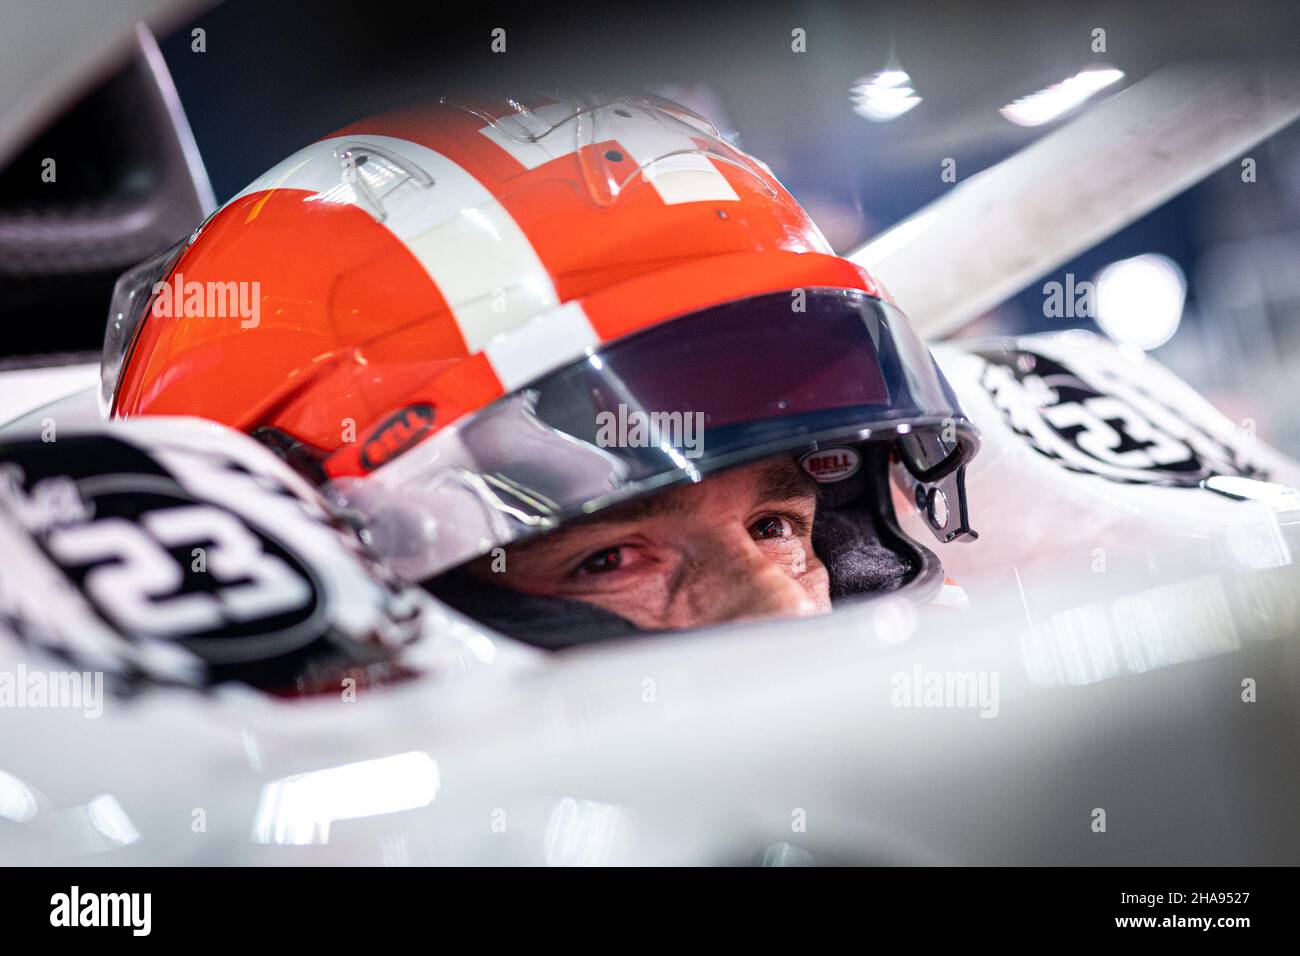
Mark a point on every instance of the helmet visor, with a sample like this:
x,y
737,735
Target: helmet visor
x,y
734,383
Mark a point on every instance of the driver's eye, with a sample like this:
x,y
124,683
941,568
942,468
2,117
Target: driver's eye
x,y
602,562
770,527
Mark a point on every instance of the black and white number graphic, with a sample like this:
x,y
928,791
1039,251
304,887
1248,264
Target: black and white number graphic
x,y
1104,425
144,573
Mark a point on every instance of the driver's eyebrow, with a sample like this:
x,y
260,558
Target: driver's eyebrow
x,y
785,481
669,501
781,481
631,511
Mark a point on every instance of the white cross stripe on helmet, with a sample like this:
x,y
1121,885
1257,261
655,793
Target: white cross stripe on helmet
x,y
542,345
552,131
482,262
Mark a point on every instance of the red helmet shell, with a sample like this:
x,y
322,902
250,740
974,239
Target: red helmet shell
x,y
415,266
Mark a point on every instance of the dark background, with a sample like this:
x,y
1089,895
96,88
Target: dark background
x,y
276,75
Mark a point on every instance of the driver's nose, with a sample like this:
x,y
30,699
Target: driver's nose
x,y
733,580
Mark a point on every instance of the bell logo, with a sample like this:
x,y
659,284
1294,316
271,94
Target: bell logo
x,y
831,464
395,434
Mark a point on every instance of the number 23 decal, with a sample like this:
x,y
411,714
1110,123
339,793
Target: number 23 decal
x,y
141,587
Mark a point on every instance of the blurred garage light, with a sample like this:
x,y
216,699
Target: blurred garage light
x,y
108,817
1046,105
585,832
298,810
883,96
17,802
1140,300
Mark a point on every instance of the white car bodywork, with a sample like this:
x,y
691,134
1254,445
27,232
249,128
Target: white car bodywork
x,y
1113,630
1128,659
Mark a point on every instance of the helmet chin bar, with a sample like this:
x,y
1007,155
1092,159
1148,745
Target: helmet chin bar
x,y
941,503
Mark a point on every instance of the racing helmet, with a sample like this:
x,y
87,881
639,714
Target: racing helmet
x,y
479,319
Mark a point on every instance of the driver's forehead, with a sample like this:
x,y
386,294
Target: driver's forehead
x,y
772,479
777,479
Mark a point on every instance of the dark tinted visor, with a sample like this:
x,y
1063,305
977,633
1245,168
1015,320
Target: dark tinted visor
x,y
758,376
781,373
